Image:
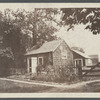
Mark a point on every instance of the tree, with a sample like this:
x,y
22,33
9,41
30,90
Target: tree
x,y
40,23
6,60
21,30
87,16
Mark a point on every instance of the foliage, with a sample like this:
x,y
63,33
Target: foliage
x,y
88,16
66,74
59,74
6,60
37,24
40,23
6,52
23,29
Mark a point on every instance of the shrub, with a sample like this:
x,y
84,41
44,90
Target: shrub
x,y
6,60
17,71
65,74
60,74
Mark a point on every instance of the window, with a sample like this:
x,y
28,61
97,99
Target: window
x,y
63,52
78,62
40,60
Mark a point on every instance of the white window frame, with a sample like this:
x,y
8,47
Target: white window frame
x,y
39,58
78,59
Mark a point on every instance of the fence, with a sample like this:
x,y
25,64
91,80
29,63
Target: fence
x,y
93,71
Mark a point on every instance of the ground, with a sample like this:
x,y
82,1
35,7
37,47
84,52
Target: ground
x,y
7,86
13,87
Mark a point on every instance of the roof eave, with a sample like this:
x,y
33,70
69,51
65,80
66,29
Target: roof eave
x,y
37,53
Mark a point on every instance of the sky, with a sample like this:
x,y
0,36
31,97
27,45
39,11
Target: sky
x,y
78,37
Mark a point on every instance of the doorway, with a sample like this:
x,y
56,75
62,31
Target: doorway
x,y
78,62
32,64
78,65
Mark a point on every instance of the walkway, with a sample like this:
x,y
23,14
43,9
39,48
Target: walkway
x,y
52,85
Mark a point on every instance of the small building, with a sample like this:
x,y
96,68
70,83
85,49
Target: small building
x,y
57,53
81,59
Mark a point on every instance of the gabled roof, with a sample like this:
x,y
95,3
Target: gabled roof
x,y
81,54
46,47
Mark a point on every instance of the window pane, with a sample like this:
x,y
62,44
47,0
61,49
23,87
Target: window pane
x,y
40,61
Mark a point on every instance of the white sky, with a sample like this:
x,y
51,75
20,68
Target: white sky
x,y
79,37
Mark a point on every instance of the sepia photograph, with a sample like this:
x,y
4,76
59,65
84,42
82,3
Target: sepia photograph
x,y
46,48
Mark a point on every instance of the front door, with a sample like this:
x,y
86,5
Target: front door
x,y
32,64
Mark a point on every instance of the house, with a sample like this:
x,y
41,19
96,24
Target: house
x,y
94,58
81,59
56,53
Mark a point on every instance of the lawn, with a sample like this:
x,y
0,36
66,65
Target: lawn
x,y
17,87
14,87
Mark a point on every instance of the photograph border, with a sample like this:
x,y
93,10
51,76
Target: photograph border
x,y
69,96
50,1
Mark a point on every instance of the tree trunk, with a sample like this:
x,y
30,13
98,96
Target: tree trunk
x,y
34,36
35,28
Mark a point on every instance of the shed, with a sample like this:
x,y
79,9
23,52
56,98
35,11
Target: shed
x,y
56,53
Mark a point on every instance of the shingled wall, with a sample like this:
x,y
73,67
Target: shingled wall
x,y
57,56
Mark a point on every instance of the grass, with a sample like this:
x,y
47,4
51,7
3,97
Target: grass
x,y
14,87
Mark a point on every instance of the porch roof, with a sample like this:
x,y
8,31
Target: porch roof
x,y
81,54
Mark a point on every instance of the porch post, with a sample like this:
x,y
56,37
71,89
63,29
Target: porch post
x,y
27,65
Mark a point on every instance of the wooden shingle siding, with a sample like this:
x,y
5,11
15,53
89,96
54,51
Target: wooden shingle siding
x,y
57,56
47,58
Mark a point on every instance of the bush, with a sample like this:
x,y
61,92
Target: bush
x,y
6,60
44,73
65,74
60,74
17,71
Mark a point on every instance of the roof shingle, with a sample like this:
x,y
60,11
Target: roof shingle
x,y
46,47
81,54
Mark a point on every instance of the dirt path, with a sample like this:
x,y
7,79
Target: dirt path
x,y
80,84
